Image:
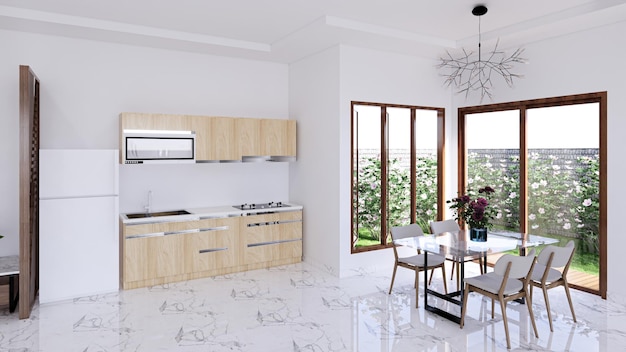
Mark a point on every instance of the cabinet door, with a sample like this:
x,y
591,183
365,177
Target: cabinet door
x,y
166,255
135,259
224,144
214,247
143,121
249,133
202,126
152,257
278,137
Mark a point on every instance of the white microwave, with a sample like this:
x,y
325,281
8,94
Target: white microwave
x,y
158,147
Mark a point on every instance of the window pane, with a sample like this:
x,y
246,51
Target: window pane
x,y
492,142
366,204
399,167
425,168
564,183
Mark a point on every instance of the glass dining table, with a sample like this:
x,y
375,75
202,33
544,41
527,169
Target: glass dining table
x,y
458,247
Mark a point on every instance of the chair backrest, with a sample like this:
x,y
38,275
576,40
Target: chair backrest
x,y
562,255
520,266
443,226
411,230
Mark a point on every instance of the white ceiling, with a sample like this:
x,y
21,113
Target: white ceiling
x,y
288,30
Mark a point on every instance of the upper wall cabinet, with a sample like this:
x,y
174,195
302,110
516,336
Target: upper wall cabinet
x,y
278,137
249,136
140,121
215,138
266,138
224,138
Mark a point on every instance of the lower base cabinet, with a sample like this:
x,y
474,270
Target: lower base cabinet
x,y
159,253
214,246
271,237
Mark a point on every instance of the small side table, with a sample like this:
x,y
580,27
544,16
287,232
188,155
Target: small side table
x,y
10,266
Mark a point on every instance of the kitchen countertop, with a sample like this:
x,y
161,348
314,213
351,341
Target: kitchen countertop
x,y
207,212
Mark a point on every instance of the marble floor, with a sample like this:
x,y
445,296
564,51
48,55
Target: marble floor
x,y
302,308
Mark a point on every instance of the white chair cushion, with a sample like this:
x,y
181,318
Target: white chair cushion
x,y
553,274
418,260
491,282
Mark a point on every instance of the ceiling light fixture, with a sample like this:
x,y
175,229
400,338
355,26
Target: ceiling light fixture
x,y
468,74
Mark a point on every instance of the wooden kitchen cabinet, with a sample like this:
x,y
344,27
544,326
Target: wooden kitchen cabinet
x,y
214,247
249,136
160,252
215,138
153,252
145,121
271,238
278,137
222,138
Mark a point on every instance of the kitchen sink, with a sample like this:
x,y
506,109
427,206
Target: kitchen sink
x,y
157,214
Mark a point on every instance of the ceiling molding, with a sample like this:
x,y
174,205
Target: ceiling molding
x,y
89,23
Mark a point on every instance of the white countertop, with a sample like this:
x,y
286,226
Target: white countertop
x,y
208,212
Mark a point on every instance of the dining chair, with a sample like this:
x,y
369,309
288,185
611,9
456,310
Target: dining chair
x,y
551,271
415,262
508,281
437,227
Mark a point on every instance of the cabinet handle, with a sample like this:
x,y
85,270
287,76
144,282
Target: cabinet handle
x,y
218,228
181,232
212,250
273,242
157,234
254,224
144,235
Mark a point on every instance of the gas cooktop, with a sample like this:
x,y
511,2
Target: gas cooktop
x,y
269,205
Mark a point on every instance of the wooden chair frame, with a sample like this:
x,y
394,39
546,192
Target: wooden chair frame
x,y
405,263
503,299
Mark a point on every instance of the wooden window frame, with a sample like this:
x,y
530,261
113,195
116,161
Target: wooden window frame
x,y
384,160
523,106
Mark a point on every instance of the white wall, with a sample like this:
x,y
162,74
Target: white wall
x,y
314,102
374,76
86,84
321,90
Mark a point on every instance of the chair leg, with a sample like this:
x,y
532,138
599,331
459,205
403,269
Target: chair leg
x,y
464,308
443,274
417,288
493,308
569,298
545,297
393,277
506,323
529,304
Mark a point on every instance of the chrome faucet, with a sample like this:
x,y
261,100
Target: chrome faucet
x,y
148,206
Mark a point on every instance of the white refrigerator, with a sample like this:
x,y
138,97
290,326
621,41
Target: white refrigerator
x,y
78,223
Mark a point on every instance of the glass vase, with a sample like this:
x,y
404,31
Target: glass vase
x,y
478,234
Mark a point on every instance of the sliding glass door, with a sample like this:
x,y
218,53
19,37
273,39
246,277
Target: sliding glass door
x,y
546,159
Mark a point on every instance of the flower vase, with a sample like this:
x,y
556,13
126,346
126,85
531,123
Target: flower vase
x,y
478,235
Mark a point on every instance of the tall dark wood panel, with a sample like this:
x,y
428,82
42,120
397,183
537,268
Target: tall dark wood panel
x,y
29,190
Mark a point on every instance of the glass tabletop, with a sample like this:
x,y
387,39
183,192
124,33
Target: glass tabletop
x,y
458,243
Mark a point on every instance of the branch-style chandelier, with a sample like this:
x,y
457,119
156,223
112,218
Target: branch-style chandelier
x,y
468,74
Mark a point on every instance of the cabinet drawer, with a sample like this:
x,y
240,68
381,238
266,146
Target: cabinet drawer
x,y
271,237
214,247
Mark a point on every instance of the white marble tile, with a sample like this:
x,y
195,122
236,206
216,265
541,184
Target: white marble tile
x,y
301,308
